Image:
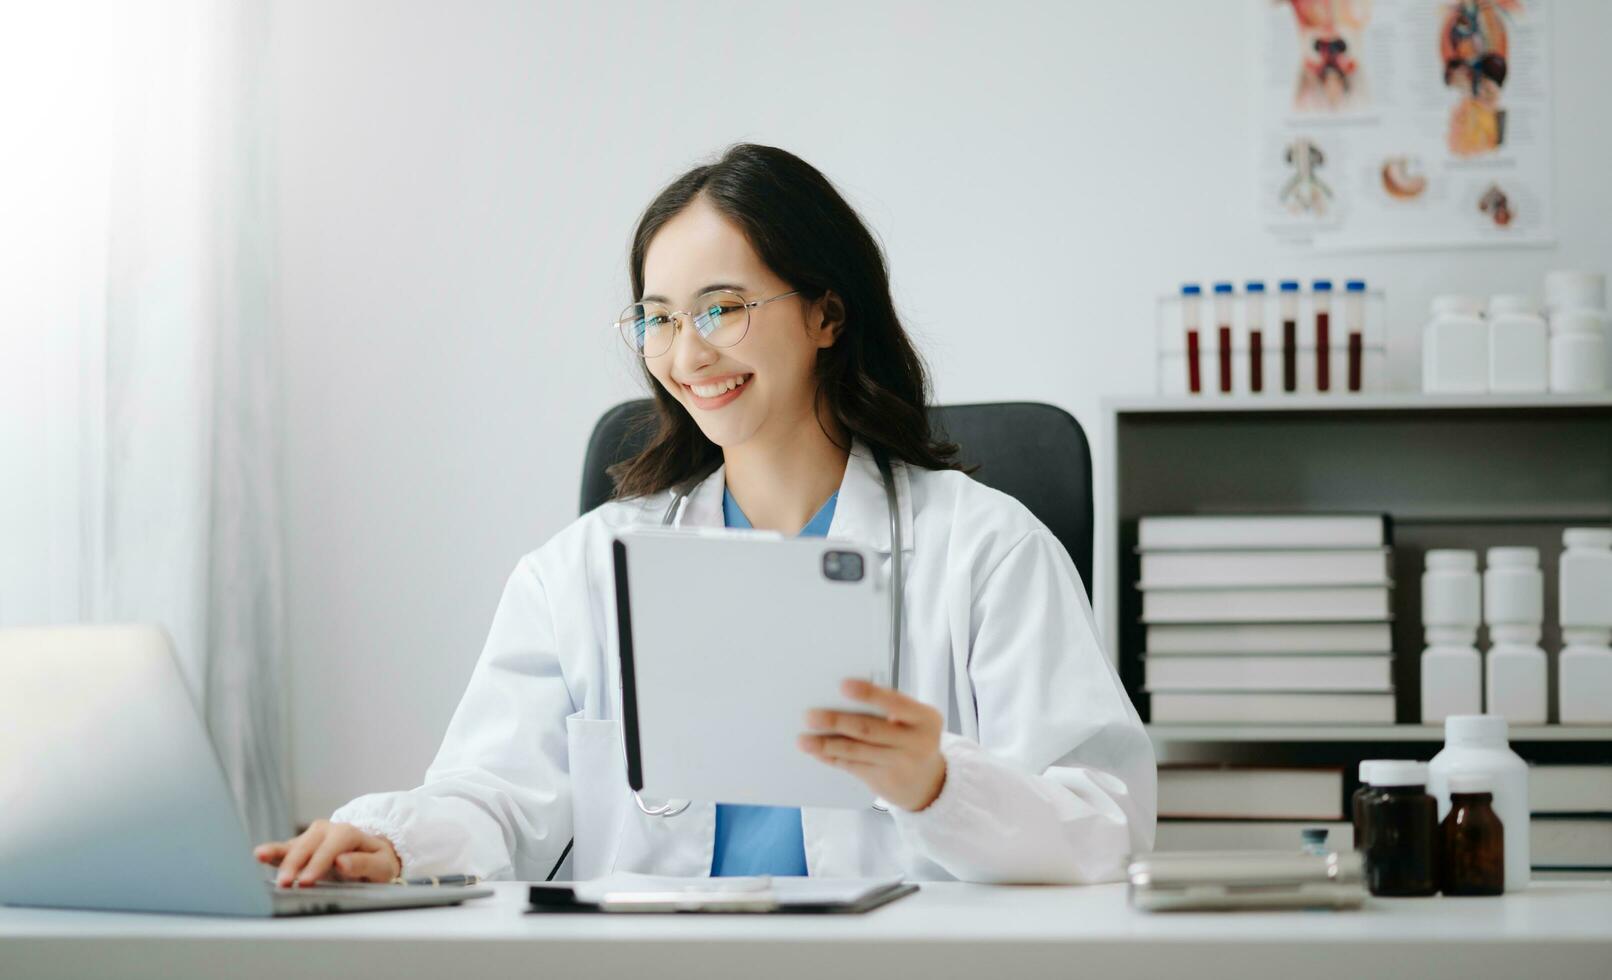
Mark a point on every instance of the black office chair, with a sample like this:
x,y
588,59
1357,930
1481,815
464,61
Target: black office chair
x,y
1034,452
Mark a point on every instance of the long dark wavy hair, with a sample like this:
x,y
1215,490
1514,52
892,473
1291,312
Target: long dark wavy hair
x,y
872,380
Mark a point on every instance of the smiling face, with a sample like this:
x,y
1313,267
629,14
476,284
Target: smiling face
x,y
764,385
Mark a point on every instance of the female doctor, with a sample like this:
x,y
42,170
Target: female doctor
x,y
1011,753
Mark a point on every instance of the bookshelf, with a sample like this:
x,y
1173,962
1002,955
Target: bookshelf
x,y
1450,471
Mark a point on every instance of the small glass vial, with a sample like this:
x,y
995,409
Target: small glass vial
x,y
1289,290
1401,832
1254,316
1354,321
1321,301
1191,322
1472,845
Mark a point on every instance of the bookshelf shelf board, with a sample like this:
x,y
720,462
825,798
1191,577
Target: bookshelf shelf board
x,y
1363,733
1407,402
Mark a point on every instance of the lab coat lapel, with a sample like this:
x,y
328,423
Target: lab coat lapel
x,y
862,511
703,507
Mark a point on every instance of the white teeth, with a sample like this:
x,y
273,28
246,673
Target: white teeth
x,y
720,388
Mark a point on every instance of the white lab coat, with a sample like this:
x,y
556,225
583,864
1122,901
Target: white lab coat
x,y
1050,775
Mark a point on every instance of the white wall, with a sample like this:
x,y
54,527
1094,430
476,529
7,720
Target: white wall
x,y
458,183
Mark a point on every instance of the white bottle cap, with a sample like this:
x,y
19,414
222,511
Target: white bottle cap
x,y
1457,303
1399,772
1587,537
1368,769
1511,303
1590,323
1470,781
1571,287
1513,557
1474,728
1452,559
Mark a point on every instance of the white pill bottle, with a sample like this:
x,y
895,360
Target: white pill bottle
x,y
1477,743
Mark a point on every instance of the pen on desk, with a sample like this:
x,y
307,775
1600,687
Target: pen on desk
x,y
438,880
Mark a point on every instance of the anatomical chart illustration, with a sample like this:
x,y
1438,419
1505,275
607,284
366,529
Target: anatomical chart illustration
x,y
1405,123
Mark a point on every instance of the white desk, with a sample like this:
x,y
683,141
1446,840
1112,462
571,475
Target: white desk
x,y
1556,930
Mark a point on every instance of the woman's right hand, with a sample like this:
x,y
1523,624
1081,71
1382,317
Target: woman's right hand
x,y
338,850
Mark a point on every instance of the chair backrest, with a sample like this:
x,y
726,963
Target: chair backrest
x,y
1031,451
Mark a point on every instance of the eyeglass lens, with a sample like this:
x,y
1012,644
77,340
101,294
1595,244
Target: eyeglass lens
x,y
720,317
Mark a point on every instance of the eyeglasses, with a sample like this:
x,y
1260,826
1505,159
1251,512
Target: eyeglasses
x,y
721,316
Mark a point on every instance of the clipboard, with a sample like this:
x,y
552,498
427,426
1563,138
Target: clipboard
x,y
563,899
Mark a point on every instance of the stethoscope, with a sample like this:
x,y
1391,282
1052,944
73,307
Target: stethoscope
x,y
894,507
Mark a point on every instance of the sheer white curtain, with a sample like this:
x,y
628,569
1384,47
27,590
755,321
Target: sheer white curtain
x,y
139,476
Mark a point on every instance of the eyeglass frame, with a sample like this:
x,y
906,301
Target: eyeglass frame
x,y
746,305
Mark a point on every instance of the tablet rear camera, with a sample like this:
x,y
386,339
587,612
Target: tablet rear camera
x,y
842,566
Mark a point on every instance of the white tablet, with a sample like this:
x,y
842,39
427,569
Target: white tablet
x,y
727,638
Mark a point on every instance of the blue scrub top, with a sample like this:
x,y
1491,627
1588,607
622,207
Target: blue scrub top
x,y
762,840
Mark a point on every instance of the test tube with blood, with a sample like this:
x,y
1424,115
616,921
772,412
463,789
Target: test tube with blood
x,y
1254,310
1290,334
1191,319
1354,321
1223,302
1321,299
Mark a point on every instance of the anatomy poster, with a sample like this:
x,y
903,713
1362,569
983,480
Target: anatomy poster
x,y
1406,123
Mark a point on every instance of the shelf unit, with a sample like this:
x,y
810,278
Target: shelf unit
x,y
1450,471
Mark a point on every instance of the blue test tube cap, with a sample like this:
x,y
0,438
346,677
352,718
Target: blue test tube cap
x,y
1223,288
1289,286
1191,289
1253,286
1321,286
1355,286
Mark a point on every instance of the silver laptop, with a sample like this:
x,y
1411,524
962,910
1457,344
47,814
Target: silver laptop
x,y
111,796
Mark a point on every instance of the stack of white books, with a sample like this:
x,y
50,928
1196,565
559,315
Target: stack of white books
x,y
1249,808
1267,619
1571,818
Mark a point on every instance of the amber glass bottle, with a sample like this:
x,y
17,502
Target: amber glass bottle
x,y
1473,841
1402,835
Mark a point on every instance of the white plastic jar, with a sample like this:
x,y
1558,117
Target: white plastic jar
x,y
1513,587
1578,351
1514,608
1584,669
1451,590
1571,289
1477,743
1519,345
1585,586
1452,671
1455,347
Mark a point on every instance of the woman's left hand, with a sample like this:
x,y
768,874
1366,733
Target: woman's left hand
x,y
895,751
